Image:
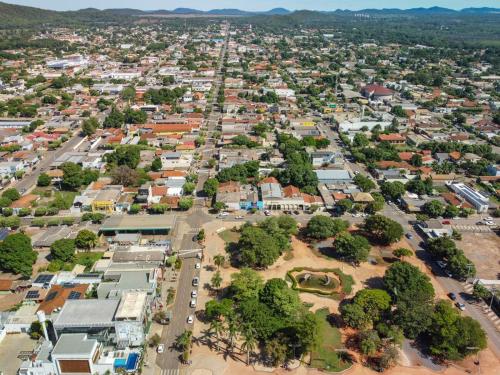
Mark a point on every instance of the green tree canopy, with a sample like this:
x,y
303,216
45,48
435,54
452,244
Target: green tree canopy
x,y
72,175
405,282
17,255
115,119
11,194
156,165
43,180
392,190
63,249
321,227
383,229
452,336
246,284
351,248
128,155
364,183
89,126
433,208
86,239
210,187
257,248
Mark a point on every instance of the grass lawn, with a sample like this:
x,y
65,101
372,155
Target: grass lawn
x,y
323,355
63,199
86,259
229,236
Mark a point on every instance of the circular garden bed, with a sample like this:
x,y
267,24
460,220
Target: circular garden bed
x,y
323,281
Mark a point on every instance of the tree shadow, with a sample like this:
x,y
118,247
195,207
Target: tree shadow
x,y
210,268
335,320
376,282
390,260
328,251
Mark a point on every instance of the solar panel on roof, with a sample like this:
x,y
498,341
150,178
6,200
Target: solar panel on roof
x,y
41,279
87,275
74,295
51,296
33,294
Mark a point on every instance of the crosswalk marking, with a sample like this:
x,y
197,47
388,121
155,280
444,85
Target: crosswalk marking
x,y
170,371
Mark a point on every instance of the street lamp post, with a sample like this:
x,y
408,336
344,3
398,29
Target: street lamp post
x,y
493,294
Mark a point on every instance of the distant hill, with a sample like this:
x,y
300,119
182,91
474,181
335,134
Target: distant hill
x,y
18,14
229,12
186,11
14,15
277,12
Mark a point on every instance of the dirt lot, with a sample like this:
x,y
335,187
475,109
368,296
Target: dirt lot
x,y
484,251
10,348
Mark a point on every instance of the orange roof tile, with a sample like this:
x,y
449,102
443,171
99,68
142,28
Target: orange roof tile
x,y
291,191
159,191
172,173
269,180
406,156
58,294
25,201
391,137
339,196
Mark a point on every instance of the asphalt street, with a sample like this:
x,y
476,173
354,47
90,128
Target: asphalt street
x,y
29,180
169,360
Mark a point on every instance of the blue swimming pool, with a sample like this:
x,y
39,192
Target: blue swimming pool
x,y
132,360
129,364
120,363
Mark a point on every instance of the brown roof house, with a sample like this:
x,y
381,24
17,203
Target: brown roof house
x,y
58,294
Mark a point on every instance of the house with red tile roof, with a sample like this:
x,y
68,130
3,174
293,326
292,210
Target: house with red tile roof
x,y
59,294
393,138
377,92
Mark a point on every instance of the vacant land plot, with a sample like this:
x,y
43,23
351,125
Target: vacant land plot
x,y
13,350
483,249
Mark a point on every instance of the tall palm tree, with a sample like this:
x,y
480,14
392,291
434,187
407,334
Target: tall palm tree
x,y
232,331
216,327
183,341
219,260
249,342
216,280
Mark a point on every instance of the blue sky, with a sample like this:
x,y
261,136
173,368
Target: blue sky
x,y
252,5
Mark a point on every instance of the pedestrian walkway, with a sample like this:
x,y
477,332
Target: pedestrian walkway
x,y
172,371
472,228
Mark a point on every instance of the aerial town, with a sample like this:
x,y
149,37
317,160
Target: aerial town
x,y
218,195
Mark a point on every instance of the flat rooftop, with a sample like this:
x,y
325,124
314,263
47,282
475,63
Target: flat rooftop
x,y
87,313
74,344
131,305
138,223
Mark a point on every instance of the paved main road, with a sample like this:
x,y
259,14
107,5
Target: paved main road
x,y
169,360
29,180
180,311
